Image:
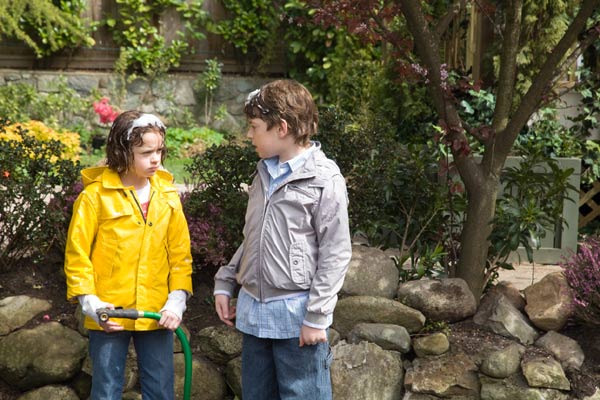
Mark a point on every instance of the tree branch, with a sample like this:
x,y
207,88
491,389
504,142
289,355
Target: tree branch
x,y
427,48
542,81
508,65
446,19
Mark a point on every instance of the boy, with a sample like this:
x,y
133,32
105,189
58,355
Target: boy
x,y
295,252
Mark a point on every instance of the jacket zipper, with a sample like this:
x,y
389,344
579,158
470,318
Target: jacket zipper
x,y
139,205
260,245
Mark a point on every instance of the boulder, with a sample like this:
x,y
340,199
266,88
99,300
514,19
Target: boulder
x,y
565,349
351,311
371,273
386,336
364,371
549,302
16,311
49,353
220,343
448,299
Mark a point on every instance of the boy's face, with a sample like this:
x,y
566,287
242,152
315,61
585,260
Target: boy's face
x,y
147,157
267,142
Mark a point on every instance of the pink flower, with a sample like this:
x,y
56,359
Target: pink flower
x,y
105,111
46,317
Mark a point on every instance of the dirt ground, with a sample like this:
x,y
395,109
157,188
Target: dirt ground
x,y
46,280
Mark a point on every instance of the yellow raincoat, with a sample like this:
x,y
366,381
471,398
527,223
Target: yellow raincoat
x,y
124,259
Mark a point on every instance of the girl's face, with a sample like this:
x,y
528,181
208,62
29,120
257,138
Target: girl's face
x,y
146,157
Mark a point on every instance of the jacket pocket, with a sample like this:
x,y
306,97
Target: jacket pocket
x,y
297,262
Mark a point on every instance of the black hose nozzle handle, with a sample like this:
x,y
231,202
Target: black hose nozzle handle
x,y
104,314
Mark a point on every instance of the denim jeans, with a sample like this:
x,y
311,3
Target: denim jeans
x,y
281,369
154,350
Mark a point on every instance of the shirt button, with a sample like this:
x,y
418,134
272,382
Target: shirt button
x,y
295,262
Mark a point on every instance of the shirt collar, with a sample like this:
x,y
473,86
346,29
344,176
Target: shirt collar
x,y
276,169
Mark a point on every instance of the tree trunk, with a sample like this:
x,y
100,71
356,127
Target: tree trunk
x,y
476,229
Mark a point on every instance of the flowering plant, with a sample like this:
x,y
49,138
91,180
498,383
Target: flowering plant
x,y
582,272
34,173
105,111
44,134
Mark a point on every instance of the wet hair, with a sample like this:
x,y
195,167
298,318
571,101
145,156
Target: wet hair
x,y
126,133
288,100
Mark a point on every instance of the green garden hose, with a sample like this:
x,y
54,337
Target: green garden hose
x,y
105,314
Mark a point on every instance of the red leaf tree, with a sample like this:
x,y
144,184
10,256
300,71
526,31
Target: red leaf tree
x,y
416,51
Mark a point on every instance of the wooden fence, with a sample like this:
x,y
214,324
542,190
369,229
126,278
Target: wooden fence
x,y
104,53
589,207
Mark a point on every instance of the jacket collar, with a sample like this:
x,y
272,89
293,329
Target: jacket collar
x,y
110,179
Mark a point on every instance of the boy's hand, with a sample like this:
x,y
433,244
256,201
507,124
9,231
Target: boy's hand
x,y
169,320
226,313
311,336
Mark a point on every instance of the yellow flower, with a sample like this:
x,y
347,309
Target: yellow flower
x,y
43,133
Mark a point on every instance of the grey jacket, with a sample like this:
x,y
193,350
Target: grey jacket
x,y
298,240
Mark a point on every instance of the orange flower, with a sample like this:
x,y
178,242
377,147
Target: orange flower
x,y
6,174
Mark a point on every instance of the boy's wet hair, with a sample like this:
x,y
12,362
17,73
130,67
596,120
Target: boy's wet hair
x,y
285,99
122,139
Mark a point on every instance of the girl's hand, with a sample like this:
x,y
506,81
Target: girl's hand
x,y
111,326
311,336
169,320
225,313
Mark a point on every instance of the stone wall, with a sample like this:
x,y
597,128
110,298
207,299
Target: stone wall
x,y
169,95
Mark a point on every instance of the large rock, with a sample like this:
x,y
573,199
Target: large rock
x,y
233,376
565,349
356,309
545,372
364,371
16,311
49,353
515,388
207,382
511,292
371,273
500,316
431,345
504,362
451,374
52,392
447,299
220,343
386,336
549,302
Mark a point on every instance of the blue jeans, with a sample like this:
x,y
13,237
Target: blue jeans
x,y
154,350
281,369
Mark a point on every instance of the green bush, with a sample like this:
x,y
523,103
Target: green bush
x,y
32,175
396,199
216,205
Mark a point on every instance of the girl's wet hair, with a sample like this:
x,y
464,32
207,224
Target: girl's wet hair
x,y
125,133
288,100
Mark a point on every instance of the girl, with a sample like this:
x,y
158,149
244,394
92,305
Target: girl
x,y
128,246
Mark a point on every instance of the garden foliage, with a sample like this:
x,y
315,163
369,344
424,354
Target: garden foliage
x,y
582,272
33,173
216,205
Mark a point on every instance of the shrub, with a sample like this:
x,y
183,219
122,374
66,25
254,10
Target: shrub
x,y
40,132
32,173
582,272
216,205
